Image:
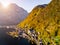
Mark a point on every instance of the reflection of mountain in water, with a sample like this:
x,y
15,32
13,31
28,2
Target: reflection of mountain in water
x,y
5,39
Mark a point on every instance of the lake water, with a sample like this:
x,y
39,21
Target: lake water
x,y
5,39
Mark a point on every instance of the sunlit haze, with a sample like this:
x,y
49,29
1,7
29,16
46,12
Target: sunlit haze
x,y
26,4
5,5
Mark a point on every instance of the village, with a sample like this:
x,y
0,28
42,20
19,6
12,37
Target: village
x,y
31,35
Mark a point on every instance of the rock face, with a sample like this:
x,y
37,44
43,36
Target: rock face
x,y
12,15
46,21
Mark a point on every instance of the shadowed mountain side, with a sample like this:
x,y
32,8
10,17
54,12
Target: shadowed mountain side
x,y
12,14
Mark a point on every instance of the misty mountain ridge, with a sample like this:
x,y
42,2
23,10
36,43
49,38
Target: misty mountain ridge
x,y
12,15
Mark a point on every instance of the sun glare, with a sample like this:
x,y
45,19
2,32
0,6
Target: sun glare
x,y
5,5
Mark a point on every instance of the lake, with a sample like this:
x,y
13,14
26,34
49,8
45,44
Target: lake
x,y
5,39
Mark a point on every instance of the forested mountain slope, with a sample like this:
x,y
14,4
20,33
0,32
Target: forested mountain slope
x,y
46,20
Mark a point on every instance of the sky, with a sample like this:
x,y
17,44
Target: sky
x,y
28,5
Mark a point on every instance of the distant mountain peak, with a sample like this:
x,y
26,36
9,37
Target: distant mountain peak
x,y
13,15
42,6
13,5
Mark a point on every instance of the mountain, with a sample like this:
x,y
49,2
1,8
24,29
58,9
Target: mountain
x,y
46,21
32,17
12,15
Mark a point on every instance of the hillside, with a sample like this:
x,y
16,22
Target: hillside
x,y
32,15
46,21
12,15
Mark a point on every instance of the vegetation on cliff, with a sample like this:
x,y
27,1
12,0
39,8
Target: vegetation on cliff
x,y
45,19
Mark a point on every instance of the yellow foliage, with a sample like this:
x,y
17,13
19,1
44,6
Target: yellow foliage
x,y
45,20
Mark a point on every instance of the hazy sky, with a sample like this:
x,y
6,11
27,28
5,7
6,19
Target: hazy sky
x,y
26,4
